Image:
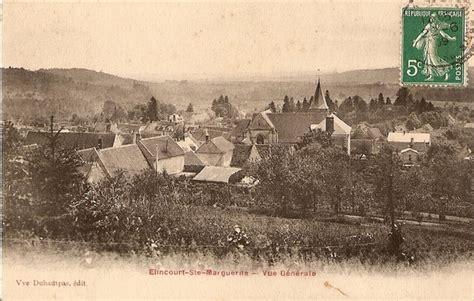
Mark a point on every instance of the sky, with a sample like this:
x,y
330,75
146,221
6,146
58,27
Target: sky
x,y
199,40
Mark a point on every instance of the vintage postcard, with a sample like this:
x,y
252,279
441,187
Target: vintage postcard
x,y
237,150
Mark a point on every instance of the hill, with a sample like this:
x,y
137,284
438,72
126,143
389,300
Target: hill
x,y
63,92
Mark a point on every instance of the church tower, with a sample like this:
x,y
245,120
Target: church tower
x,y
319,102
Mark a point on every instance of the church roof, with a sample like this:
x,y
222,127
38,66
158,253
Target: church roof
x,y
319,102
291,126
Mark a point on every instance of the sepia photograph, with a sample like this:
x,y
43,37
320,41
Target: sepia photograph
x,y
237,150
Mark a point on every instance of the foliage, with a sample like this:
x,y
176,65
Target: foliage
x,y
223,108
190,108
316,136
386,170
10,135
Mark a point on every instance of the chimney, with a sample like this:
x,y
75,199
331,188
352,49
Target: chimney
x,y
412,142
136,137
100,143
207,135
330,124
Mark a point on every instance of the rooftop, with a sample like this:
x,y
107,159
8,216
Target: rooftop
x,y
216,174
407,137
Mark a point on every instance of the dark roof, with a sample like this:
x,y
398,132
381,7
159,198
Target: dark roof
x,y
218,145
240,155
240,127
190,158
291,126
319,102
200,134
88,154
375,133
128,158
223,144
72,140
166,146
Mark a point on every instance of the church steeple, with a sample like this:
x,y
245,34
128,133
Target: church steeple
x,y
319,102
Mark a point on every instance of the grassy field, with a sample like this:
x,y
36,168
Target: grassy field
x,y
205,230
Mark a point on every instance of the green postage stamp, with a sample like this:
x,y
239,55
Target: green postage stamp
x,y
434,48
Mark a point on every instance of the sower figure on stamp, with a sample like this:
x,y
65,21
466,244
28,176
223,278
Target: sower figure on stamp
x,y
434,65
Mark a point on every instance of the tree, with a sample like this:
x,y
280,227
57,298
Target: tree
x,y
10,136
381,101
286,105
386,169
413,122
190,108
118,113
404,97
330,102
298,106
346,106
223,108
292,105
139,112
152,110
305,105
56,184
434,118
442,170
372,105
388,101
76,120
276,178
360,107
272,107
316,136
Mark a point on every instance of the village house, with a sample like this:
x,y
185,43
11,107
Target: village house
x,y
79,140
217,151
409,156
201,134
156,153
100,164
238,133
175,118
288,128
163,153
365,140
162,127
416,141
